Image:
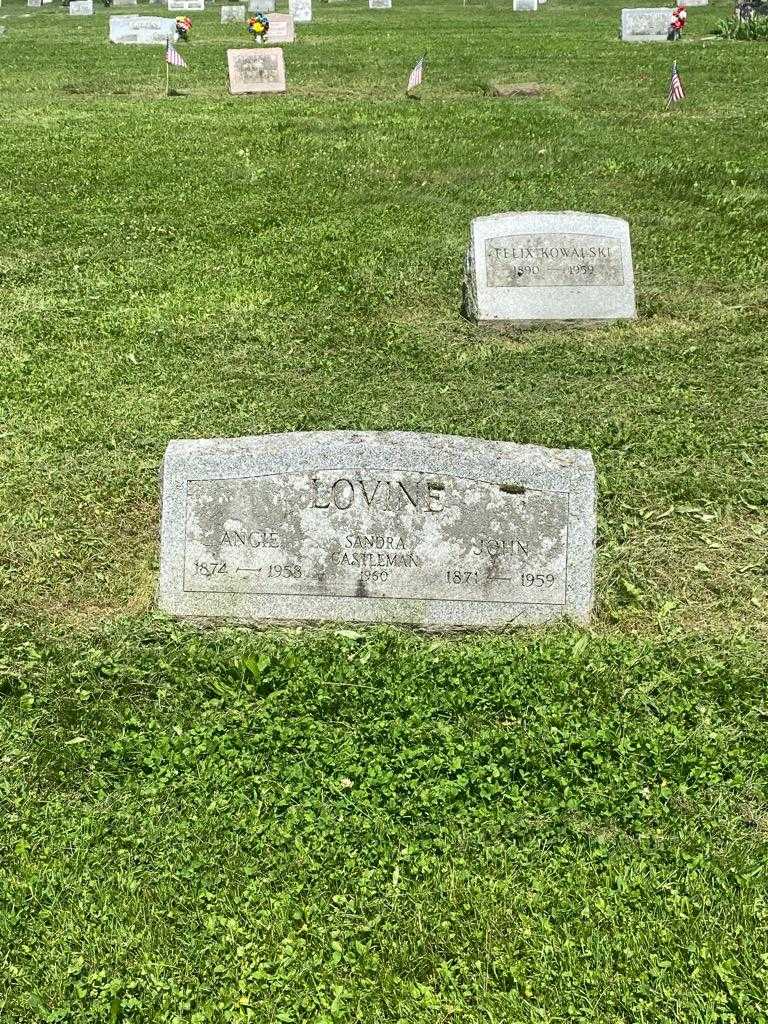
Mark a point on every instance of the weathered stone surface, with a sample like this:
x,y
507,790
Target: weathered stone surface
x,y
281,29
441,532
525,5
261,6
125,3
186,5
533,268
645,24
300,10
380,4
81,7
34,3
131,28
233,13
507,90
256,70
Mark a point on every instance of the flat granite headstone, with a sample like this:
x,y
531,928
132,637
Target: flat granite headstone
x,y
281,29
233,13
380,4
300,10
524,5
256,71
645,24
440,532
145,30
186,5
528,269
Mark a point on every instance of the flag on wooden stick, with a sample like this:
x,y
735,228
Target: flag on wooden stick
x,y
172,56
675,93
417,74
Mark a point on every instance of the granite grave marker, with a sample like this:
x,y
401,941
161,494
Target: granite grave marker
x,y
300,10
233,13
81,7
442,532
645,24
528,269
525,5
256,71
186,5
281,29
141,29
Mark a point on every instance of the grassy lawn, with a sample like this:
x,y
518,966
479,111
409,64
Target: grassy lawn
x,y
345,825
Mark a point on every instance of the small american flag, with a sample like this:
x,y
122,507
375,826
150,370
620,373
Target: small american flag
x,y
416,75
676,91
172,56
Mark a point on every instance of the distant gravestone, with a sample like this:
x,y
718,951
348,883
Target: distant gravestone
x,y
233,13
440,532
380,4
527,269
131,28
300,10
281,29
261,6
186,5
524,5
256,71
34,3
645,24
125,3
81,7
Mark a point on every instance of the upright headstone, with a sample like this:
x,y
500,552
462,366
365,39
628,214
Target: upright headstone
x,y
530,269
34,3
441,532
125,3
130,28
645,24
256,71
261,6
233,13
380,4
186,5
301,10
81,7
524,5
281,29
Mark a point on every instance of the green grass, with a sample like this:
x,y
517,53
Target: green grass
x,y
560,826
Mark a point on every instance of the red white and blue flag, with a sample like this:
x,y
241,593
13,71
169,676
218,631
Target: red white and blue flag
x,y
172,56
676,91
417,75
